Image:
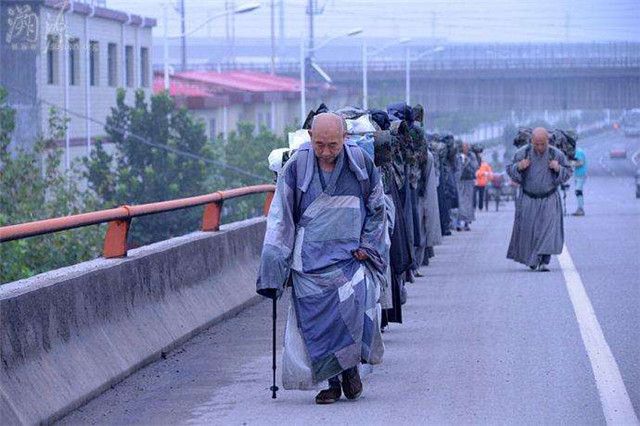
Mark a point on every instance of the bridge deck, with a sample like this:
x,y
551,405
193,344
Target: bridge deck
x,y
485,340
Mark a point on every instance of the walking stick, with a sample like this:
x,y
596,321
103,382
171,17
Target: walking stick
x,y
274,388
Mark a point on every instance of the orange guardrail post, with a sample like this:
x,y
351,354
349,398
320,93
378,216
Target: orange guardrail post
x,y
211,216
267,202
119,218
115,241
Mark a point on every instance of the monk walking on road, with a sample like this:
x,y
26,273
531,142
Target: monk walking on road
x,y
538,230
325,228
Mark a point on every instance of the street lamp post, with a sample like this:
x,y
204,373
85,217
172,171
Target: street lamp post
x,y
365,81
303,52
247,7
365,66
407,75
407,71
303,84
165,46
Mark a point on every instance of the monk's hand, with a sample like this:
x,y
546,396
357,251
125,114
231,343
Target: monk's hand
x,y
554,165
360,255
524,164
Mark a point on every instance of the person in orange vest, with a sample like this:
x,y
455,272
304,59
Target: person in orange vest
x,y
483,176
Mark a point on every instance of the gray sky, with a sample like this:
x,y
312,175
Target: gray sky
x,y
455,20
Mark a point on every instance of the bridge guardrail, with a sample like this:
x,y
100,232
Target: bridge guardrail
x,y
447,64
119,218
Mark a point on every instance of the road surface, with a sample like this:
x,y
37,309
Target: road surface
x,y
485,341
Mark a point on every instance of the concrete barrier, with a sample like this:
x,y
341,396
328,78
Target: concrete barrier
x,y
69,334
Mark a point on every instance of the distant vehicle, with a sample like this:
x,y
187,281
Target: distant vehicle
x,y
630,123
618,151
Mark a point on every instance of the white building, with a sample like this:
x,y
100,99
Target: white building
x,y
73,56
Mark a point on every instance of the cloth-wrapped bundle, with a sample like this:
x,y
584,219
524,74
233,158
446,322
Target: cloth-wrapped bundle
x,y
309,120
523,137
381,118
383,147
565,141
401,111
477,147
350,112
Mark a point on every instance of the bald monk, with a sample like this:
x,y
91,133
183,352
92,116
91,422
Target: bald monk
x,y
538,230
327,220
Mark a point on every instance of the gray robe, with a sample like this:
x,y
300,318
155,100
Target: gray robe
x,y
538,225
386,298
466,184
434,234
428,211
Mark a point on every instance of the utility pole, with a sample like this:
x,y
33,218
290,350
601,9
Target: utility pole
x,y
407,75
227,32
433,27
567,26
365,82
165,50
273,37
281,48
311,13
232,17
184,37
272,113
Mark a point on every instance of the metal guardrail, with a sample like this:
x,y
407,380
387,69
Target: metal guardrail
x,y
119,219
493,64
473,56
479,64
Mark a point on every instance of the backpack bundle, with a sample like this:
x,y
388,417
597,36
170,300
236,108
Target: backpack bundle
x,y
564,140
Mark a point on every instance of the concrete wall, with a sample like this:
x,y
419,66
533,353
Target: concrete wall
x,y
69,334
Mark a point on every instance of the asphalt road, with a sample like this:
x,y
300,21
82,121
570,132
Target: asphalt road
x,y
598,147
485,341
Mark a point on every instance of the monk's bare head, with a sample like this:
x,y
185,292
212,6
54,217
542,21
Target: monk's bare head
x,y
465,148
327,136
540,139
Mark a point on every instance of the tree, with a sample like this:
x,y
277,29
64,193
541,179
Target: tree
x,y
34,186
248,152
162,153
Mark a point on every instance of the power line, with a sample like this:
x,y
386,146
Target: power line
x,y
416,11
141,139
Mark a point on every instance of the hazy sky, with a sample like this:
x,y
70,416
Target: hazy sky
x,y
456,20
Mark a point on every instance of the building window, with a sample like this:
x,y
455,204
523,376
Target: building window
x,y
74,61
112,60
213,132
94,63
53,48
128,61
144,67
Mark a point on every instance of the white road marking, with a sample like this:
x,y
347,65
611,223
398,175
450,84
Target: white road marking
x,y
616,404
605,166
636,157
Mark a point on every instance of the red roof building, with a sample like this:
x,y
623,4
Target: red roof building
x,y
246,81
224,99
